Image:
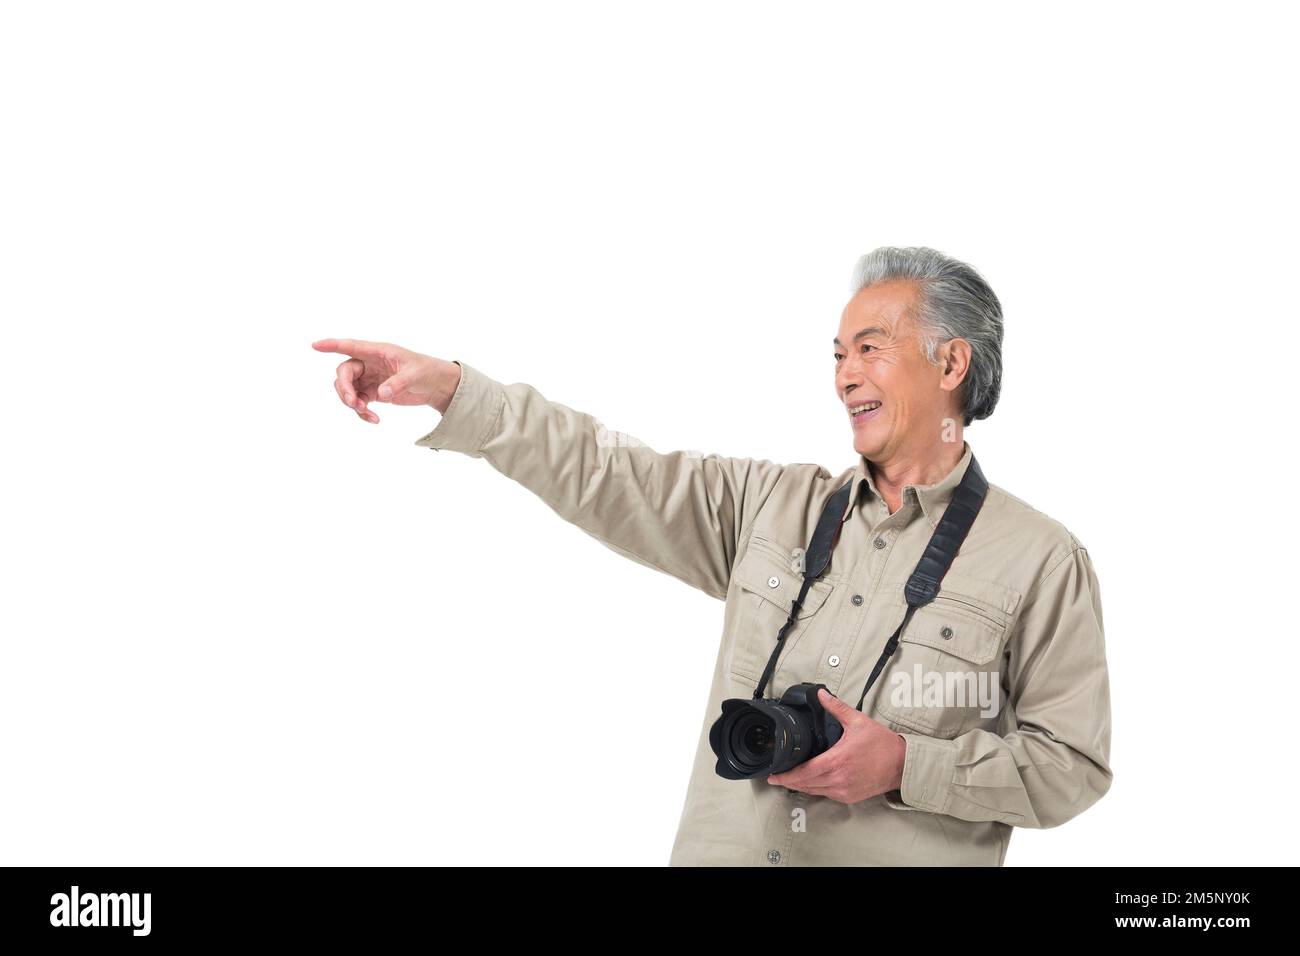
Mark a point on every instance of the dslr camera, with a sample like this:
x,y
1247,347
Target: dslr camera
x,y
758,736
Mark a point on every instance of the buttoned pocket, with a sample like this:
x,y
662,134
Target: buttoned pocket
x,y
945,678
767,584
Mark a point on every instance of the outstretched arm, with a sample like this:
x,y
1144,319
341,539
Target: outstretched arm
x,y
680,512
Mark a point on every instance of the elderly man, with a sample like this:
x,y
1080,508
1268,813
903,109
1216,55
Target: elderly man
x,y
980,682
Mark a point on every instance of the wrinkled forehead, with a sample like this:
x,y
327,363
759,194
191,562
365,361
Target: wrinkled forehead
x,y
885,310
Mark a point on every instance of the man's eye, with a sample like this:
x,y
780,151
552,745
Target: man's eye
x,y
838,356
865,347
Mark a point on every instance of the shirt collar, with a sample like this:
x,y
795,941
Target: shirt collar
x,y
933,498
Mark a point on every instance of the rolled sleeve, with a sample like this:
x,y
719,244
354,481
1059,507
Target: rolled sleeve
x,y
927,773
470,416
1056,763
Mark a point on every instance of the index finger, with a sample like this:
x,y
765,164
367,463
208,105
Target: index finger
x,y
808,772
358,348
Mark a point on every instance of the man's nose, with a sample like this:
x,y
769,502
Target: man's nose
x,y
846,376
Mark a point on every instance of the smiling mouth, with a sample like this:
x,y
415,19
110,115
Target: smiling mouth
x,y
863,412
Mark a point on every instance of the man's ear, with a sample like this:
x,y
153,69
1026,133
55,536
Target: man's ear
x,y
954,360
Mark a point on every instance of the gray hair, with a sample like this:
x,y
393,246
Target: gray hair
x,y
955,302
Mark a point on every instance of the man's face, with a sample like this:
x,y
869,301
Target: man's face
x,y
878,358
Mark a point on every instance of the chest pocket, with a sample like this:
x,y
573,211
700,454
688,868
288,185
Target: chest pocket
x,y
946,676
767,584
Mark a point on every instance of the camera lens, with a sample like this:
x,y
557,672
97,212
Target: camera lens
x,y
745,738
752,738
758,736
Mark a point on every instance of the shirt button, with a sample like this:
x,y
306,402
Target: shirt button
x,y
773,856
945,632
833,660
879,543
773,581
857,600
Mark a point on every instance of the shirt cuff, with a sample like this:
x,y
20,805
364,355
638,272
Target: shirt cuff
x,y
471,415
928,768
895,800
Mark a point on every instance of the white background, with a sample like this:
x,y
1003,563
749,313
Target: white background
x,y
242,626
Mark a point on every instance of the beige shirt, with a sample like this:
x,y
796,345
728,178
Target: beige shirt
x,y
999,686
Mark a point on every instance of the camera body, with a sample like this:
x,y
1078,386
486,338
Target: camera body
x,y
760,736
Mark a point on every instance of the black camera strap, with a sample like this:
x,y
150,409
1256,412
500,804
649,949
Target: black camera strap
x,y
922,586
937,558
816,558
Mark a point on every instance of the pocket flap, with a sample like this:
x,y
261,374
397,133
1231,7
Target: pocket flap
x,y
771,575
956,628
